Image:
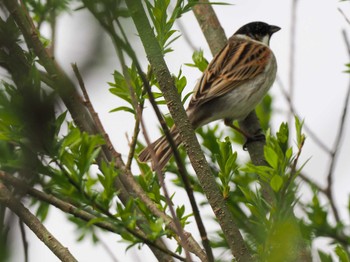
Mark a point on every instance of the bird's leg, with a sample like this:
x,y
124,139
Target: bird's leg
x,y
259,136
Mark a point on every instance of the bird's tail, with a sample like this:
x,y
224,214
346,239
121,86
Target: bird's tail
x,y
162,150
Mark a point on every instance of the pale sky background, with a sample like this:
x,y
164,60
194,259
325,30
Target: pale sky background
x,y
320,88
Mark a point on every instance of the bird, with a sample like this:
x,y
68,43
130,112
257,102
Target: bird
x,y
233,84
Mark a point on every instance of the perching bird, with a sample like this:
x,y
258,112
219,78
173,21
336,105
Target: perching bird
x,y
233,84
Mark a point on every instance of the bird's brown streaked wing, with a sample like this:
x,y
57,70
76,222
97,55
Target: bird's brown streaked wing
x,y
240,60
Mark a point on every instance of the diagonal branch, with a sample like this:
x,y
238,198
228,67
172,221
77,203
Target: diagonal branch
x,y
126,180
182,169
200,165
7,199
125,183
79,212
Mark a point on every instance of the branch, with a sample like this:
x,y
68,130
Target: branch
x,y
179,229
216,39
336,147
126,180
120,181
24,240
210,25
292,54
198,161
181,167
308,130
78,212
125,183
35,225
61,82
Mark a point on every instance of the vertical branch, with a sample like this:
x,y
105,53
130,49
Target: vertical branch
x,y
292,55
216,39
24,240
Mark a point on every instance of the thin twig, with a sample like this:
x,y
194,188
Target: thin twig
x,y
24,240
308,130
312,183
179,229
35,225
293,23
185,35
108,250
336,147
344,15
133,142
125,183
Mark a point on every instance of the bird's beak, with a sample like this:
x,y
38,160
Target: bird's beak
x,y
274,29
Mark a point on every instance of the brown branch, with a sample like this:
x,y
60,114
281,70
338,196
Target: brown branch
x,y
34,224
79,212
126,180
61,82
210,25
179,229
216,39
120,180
306,179
81,116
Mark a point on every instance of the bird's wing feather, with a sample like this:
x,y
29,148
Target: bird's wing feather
x,y
239,61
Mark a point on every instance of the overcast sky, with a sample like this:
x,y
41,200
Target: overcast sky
x,y
320,88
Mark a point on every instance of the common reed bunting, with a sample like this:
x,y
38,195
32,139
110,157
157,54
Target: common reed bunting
x,y
233,84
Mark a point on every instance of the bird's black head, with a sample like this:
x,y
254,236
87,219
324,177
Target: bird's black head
x,y
259,31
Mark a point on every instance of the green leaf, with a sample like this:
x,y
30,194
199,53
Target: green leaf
x,y
298,128
95,220
42,211
324,257
199,61
342,254
271,157
123,108
276,183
